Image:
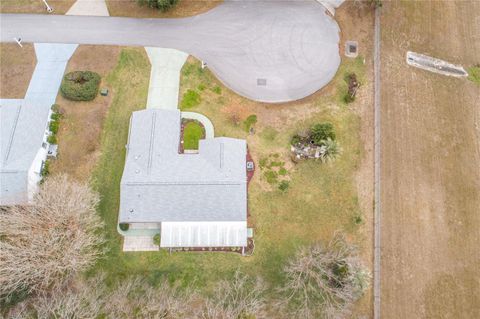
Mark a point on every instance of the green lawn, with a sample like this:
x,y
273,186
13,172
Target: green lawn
x,y
321,198
192,133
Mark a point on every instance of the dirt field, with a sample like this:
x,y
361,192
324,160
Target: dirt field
x,y
430,163
81,124
16,69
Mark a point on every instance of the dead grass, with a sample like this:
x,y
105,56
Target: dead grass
x,y
430,158
16,69
82,122
184,8
34,6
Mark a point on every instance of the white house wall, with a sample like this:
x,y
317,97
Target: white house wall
x,y
203,234
34,172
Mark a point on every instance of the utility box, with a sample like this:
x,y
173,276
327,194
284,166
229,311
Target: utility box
x,y
104,92
351,49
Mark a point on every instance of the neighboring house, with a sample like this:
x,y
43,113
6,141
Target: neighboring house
x,y
24,130
24,126
194,200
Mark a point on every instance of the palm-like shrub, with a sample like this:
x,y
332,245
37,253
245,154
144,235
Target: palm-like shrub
x,y
329,150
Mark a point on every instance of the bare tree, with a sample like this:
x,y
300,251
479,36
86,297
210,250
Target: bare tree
x,y
82,300
135,298
45,243
323,282
239,298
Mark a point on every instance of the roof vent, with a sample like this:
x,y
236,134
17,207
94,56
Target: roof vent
x,y
131,210
137,171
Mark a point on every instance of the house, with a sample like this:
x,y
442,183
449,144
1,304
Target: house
x,y
193,200
24,131
24,126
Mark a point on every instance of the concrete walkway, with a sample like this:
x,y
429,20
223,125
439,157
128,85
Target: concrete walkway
x,y
269,51
89,8
139,243
207,124
164,77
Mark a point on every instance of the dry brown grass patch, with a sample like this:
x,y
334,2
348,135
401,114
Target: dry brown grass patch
x,y
16,65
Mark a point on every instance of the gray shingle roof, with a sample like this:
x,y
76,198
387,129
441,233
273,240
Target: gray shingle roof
x,y
159,184
22,131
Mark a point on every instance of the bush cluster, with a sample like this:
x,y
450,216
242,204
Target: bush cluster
x,y
80,85
54,125
250,121
162,5
190,99
318,134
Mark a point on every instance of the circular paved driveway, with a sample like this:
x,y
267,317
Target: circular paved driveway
x,y
273,51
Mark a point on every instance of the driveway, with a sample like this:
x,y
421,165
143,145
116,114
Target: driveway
x,y
272,51
164,77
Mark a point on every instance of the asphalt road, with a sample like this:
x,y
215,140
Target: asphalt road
x,y
273,51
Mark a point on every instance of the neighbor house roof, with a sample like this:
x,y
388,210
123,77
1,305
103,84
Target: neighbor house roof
x,y
23,127
161,185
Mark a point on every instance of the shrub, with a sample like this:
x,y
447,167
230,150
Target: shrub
x,y
283,185
347,98
357,219
80,85
201,87
190,99
474,74
52,139
296,139
156,239
282,171
55,116
45,169
56,109
331,151
124,226
271,176
53,127
216,89
321,132
251,120
162,5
